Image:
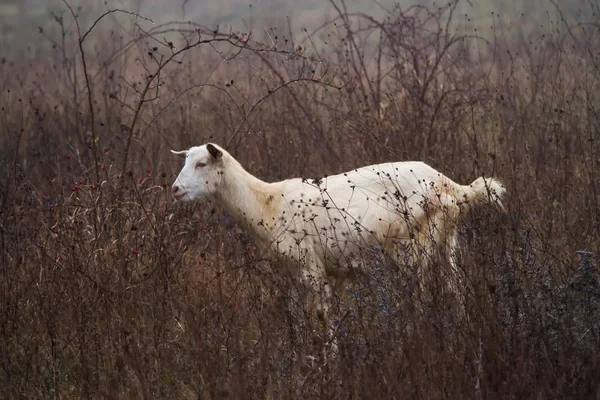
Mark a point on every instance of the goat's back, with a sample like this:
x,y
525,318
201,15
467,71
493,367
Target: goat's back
x,y
337,216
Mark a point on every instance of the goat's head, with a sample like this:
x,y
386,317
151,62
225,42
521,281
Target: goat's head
x,y
201,173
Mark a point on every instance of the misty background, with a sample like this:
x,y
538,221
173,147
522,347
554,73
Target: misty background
x,y
21,19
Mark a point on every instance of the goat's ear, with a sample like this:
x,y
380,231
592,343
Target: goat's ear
x,y
180,153
214,152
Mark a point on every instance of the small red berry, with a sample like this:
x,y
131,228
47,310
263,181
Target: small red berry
x,y
68,156
122,105
44,197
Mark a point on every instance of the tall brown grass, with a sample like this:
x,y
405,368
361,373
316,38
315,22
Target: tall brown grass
x,y
108,290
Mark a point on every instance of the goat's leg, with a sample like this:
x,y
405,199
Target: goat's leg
x,y
319,294
455,282
448,219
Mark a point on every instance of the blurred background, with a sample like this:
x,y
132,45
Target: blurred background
x,y
109,290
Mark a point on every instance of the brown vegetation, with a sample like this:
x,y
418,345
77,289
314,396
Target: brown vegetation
x,y
108,290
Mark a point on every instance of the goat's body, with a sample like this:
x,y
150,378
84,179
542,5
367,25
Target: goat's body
x,y
326,227
337,220
343,215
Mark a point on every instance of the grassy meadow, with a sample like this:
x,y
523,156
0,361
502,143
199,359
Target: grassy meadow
x,y
109,290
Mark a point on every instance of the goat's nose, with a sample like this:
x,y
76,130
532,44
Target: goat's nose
x,y
175,188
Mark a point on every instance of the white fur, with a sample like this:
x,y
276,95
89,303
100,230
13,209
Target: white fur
x,y
407,208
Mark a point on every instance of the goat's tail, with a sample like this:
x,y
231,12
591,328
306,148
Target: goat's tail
x,y
482,190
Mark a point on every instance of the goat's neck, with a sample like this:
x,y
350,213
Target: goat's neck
x,y
248,199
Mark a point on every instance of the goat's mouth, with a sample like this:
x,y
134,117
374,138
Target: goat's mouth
x,y
179,196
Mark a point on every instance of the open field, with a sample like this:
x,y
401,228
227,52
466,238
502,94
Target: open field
x,y
109,290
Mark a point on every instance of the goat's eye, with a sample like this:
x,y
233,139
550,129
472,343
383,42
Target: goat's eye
x,y
200,165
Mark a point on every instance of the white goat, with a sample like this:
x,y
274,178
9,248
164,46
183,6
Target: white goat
x,y
322,227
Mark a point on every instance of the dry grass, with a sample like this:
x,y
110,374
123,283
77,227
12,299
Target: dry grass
x,y
108,290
